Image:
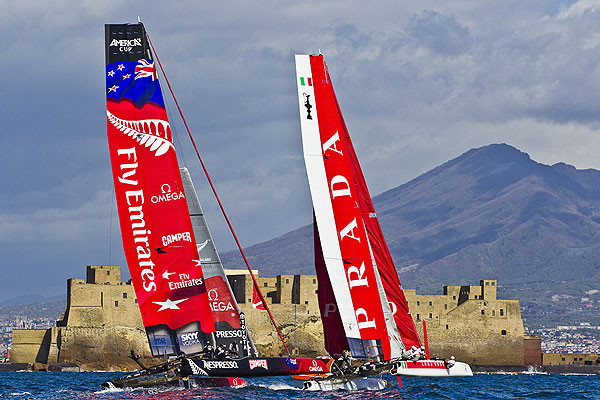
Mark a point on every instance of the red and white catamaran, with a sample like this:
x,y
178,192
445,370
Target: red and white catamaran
x,y
362,303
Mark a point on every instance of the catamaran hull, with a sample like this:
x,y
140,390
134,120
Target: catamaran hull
x,y
258,367
431,369
141,380
340,384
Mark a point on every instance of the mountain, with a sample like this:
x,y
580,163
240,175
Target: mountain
x,y
491,213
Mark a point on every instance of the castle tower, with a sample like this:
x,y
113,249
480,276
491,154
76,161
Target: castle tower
x,y
102,274
488,289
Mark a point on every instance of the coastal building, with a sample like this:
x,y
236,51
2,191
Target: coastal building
x,y
102,322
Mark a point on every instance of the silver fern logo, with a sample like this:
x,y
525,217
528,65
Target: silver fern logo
x,y
152,133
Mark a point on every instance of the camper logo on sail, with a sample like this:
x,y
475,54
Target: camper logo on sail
x,y
176,237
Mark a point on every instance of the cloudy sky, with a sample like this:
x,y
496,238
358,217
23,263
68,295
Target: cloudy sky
x,y
419,83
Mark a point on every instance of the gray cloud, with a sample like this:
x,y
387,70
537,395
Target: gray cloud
x,y
418,85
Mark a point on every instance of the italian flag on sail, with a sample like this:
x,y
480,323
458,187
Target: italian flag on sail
x,y
305,81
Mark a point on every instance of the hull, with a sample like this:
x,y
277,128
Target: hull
x,y
207,382
249,367
431,369
336,383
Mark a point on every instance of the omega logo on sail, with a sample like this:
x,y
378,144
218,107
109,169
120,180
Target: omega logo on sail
x,y
166,195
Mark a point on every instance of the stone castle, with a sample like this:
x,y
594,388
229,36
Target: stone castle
x,y
102,322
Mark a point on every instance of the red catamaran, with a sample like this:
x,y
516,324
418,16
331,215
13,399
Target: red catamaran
x,y
362,304
185,300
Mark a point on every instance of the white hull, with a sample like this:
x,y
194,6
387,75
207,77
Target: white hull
x,y
336,384
431,369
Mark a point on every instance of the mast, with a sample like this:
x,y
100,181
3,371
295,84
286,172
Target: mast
x,y
157,233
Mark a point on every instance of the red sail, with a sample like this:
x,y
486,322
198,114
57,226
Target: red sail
x,y
335,337
381,254
157,233
350,230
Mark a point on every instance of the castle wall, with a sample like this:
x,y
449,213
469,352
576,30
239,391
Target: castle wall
x,y
570,359
102,322
471,324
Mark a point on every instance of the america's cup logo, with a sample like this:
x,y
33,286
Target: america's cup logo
x,y
153,133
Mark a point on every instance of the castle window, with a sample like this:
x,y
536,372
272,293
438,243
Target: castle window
x,y
306,302
482,312
493,313
135,301
418,317
266,284
314,281
107,272
116,303
124,295
487,284
503,332
563,359
418,303
316,291
493,283
501,311
430,304
287,281
445,306
453,297
446,326
430,316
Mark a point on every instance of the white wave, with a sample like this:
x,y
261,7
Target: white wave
x,y
276,386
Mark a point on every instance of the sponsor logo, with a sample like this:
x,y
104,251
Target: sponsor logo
x,y
135,201
152,133
291,362
212,364
229,334
189,339
315,367
126,45
307,105
166,195
176,237
393,307
258,364
216,305
185,281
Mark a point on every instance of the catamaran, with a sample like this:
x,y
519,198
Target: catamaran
x,y
187,307
364,311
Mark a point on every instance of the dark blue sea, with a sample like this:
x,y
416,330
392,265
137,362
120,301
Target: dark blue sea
x,y
86,385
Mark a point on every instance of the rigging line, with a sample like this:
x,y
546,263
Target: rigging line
x,y
255,283
112,205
